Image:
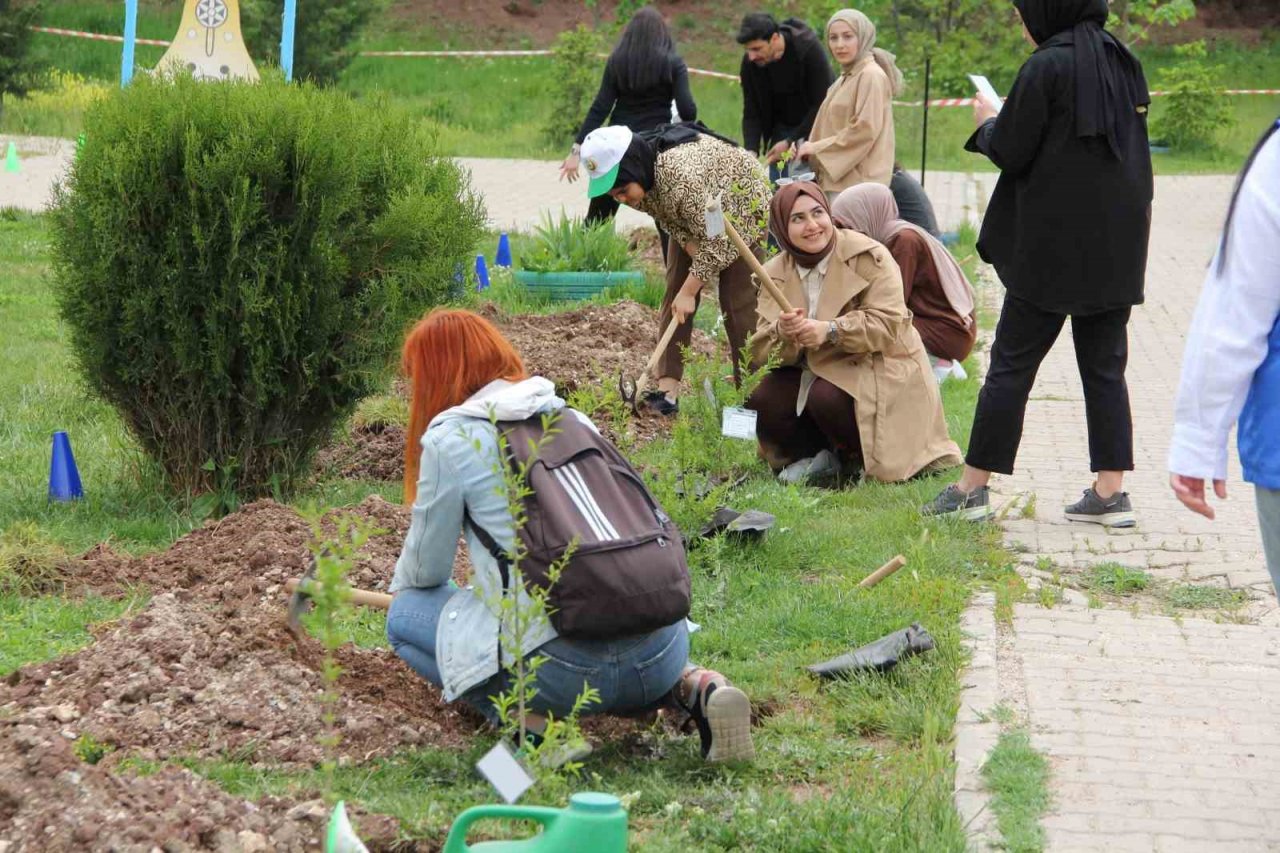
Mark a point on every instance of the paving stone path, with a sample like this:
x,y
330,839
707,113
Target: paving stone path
x,y
1162,731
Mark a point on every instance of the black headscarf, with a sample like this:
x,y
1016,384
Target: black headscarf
x,y
641,157
1108,76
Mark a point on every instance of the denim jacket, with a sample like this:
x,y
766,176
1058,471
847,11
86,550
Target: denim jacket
x,y
461,469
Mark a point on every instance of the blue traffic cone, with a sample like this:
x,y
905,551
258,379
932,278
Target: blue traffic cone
x,y
482,273
503,258
64,479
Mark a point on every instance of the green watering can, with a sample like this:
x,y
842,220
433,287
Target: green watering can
x,y
593,823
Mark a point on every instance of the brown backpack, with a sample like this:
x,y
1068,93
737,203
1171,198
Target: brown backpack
x,y
627,573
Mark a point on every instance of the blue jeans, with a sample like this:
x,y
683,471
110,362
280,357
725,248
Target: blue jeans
x,y
631,673
1269,522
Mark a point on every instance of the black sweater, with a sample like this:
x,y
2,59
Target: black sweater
x,y
642,109
780,100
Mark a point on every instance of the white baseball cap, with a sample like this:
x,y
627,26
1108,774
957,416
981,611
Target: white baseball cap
x,y
601,153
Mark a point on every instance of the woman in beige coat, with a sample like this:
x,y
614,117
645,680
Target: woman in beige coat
x,y
853,387
852,138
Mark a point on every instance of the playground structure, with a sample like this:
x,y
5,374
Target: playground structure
x,y
208,42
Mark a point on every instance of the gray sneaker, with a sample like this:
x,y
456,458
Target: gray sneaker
x,y
953,503
1116,511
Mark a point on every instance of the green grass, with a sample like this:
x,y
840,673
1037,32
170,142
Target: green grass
x,y
494,107
45,627
1018,776
1186,596
862,764
1115,579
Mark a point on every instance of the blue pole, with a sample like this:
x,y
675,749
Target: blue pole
x,y
130,34
286,38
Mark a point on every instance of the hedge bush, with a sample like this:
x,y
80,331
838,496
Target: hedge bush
x,y
237,264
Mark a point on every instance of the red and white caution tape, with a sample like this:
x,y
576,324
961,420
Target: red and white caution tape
x,y
439,54
54,31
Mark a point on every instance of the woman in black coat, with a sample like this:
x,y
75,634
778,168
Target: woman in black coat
x,y
1067,232
642,77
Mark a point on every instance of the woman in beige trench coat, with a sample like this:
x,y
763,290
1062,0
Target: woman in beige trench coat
x,y
853,387
852,140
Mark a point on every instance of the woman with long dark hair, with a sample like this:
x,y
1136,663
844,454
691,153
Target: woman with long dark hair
x,y
1067,233
642,77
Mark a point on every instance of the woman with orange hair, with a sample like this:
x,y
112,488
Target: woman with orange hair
x,y
465,377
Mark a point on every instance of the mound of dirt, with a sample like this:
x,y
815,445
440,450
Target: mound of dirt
x,y
368,453
210,668
51,801
579,348
588,345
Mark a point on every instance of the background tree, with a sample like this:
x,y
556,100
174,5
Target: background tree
x,y
20,71
325,34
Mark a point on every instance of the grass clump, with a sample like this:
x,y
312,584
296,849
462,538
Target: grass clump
x,y
1018,777
569,244
1189,596
1115,579
30,563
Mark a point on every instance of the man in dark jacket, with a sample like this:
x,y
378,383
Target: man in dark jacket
x,y
785,75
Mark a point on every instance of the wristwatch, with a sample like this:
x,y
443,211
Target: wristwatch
x,y
832,331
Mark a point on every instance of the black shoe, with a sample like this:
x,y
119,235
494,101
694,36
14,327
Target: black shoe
x,y
953,503
659,403
881,655
1115,511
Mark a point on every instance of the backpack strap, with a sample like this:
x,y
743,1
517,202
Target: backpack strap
x,y
491,545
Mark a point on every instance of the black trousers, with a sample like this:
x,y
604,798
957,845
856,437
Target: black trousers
x,y
1024,337
603,208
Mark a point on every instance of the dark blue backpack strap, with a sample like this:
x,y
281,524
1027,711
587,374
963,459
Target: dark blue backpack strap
x,y
491,545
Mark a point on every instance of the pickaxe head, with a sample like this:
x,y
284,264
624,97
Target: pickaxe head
x,y
300,601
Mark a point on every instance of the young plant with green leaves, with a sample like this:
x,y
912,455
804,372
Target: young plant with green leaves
x,y
332,611
1197,108
529,608
569,244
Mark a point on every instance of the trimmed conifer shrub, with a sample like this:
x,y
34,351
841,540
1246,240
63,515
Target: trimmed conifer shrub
x,y
237,264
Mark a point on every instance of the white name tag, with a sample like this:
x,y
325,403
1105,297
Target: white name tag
x,y
737,423
505,773
715,219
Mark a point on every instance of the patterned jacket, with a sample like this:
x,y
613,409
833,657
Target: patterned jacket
x,y
686,176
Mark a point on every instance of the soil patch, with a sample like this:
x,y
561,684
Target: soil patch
x,y
588,345
210,668
51,801
582,348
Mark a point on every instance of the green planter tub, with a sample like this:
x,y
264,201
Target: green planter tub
x,y
573,285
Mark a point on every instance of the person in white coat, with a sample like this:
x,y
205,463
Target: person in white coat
x,y
1231,371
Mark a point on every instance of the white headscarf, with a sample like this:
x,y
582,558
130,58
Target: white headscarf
x,y
866,33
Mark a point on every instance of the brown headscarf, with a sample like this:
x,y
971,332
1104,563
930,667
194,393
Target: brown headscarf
x,y
780,214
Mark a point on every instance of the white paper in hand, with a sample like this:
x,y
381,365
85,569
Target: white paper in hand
x,y
737,423
984,87
505,774
715,219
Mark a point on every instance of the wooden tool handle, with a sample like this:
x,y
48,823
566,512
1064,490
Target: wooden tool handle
x,y
380,600
883,572
766,280
663,342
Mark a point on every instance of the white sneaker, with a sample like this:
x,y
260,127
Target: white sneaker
x,y
814,468
942,369
796,471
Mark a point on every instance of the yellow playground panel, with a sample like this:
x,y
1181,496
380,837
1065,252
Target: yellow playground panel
x,y
208,42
